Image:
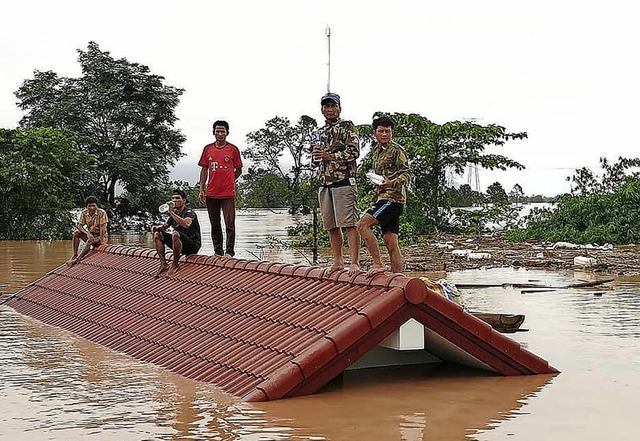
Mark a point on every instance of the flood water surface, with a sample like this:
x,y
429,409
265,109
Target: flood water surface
x,y
56,386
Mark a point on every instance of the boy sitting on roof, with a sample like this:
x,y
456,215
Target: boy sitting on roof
x,y
185,238
91,228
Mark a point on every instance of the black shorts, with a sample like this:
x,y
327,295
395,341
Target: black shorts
x,y
188,245
387,213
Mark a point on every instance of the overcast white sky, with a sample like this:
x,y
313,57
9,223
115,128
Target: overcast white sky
x,y
565,72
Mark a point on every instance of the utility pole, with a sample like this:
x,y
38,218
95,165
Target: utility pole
x,y
314,246
328,33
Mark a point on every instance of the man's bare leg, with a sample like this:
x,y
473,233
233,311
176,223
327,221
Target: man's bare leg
x,y
336,239
353,238
177,249
88,246
157,239
371,242
391,242
75,244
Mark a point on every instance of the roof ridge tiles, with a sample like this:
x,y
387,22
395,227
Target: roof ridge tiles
x,y
305,271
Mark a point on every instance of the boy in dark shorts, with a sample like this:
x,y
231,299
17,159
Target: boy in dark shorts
x,y
185,238
390,161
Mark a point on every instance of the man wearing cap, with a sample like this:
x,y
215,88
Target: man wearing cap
x,y
185,238
336,156
390,161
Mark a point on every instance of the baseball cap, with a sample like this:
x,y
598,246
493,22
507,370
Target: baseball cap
x,y
334,97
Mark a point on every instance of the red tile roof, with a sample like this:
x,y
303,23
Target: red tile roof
x,y
258,330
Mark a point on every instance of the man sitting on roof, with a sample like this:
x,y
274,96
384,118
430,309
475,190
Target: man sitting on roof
x,y
185,238
92,229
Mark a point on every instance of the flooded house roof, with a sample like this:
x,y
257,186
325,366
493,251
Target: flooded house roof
x,y
258,330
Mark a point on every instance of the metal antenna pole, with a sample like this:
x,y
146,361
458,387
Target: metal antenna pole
x,y
328,32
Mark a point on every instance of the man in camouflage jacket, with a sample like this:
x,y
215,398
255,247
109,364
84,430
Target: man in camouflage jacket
x,y
390,161
336,156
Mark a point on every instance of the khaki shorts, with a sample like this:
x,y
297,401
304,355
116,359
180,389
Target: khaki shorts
x,y
338,206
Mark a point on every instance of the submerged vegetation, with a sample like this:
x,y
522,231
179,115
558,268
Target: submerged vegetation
x,y
600,209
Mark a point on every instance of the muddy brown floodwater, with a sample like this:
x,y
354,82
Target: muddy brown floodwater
x,y
56,386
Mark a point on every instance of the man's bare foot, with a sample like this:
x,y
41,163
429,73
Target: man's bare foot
x,y
354,268
375,270
332,269
172,270
72,261
163,268
227,256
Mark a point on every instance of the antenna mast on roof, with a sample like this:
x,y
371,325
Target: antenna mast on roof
x,y
328,33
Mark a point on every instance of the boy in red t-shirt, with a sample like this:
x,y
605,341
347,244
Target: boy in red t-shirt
x,y
221,166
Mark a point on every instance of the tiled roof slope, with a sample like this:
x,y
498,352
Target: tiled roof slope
x,y
258,330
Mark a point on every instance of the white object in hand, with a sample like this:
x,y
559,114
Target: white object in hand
x,y
164,208
375,178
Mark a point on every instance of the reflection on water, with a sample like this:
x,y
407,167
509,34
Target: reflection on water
x,y
68,388
56,386
409,403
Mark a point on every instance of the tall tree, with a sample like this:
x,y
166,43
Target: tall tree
x,y
283,149
43,176
434,149
123,114
464,196
264,189
496,194
516,193
614,175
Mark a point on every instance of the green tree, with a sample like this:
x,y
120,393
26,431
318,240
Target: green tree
x,y
536,198
463,196
122,113
496,194
516,194
282,149
43,176
614,175
604,211
499,217
433,150
261,188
